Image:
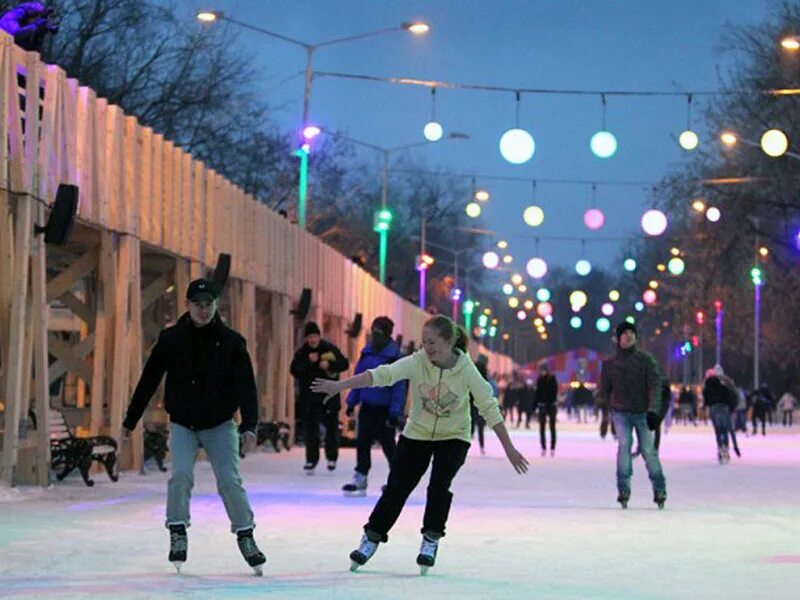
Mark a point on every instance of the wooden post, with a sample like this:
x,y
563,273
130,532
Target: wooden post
x,y
40,312
104,303
135,348
122,356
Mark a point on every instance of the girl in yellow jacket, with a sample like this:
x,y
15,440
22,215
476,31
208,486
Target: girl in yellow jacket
x,y
441,378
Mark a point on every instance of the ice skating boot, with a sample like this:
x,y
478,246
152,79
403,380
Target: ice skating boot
x,y
552,452
331,465
357,487
726,455
247,546
364,552
660,498
544,452
178,544
427,553
309,468
720,457
623,498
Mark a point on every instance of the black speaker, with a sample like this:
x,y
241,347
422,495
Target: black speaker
x,y
62,215
355,328
399,340
303,305
221,271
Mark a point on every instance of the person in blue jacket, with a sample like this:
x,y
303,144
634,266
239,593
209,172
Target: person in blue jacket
x,y
380,409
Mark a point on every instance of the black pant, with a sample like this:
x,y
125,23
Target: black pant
x,y
371,427
315,415
411,460
479,423
760,414
547,412
787,418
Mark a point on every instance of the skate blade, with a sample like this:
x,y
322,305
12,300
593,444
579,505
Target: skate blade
x,y
178,567
354,566
358,494
258,571
423,569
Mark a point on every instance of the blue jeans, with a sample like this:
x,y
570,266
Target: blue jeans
x,y
625,423
221,444
721,419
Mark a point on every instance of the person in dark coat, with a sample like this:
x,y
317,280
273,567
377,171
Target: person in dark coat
x,y
29,23
687,402
318,358
720,404
381,409
209,378
631,385
547,403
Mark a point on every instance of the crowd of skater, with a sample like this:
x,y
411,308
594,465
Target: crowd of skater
x,y
437,396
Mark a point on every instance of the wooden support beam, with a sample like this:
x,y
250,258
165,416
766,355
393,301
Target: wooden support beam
x,y
182,281
40,311
121,355
62,282
135,349
66,354
104,304
154,291
78,308
79,351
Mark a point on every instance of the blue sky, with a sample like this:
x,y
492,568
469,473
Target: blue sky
x,y
598,45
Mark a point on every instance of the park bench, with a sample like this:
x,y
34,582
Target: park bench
x,y
69,452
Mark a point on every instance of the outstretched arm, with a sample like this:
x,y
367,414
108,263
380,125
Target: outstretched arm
x,y
330,388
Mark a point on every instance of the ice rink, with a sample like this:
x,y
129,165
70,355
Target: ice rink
x,y
727,532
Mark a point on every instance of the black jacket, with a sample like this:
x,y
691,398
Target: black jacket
x,y
209,377
714,392
307,371
631,382
546,390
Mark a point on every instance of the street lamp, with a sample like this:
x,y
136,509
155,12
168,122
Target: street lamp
x,y
791,43
773,143
413,27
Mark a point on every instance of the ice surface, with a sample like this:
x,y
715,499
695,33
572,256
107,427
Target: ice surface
x,y
727,532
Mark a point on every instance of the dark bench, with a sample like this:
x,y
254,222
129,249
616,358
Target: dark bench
x,y
275,432
69,452
155,445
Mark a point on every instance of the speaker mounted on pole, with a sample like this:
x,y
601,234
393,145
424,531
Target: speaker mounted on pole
x,y
62,216
221,272
303,305
355,328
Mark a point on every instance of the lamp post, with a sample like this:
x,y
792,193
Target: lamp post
x,y
211,16
757,278
773,143
718,326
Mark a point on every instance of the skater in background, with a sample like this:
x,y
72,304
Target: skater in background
x,y
786,405
631,386
761,403
209,378
547,403
687,402
441,378
525,401
380,408
318,358
721,403
478,422
29,23
734,399
582,401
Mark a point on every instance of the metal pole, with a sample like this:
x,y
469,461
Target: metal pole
x,y
383,233
718,324
757,317
423,272
302,188
455,287
307,89
382,256
701,373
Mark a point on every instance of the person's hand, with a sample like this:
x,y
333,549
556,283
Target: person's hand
x,y
519,462
248,441
349,410
324,364
313,356
328,387
652,421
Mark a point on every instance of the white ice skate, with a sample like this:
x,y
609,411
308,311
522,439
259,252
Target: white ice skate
x,y
427,554
365,550
357,487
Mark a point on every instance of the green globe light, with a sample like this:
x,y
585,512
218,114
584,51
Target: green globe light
x,y
630,319
676,265
576,322
543,295
603,324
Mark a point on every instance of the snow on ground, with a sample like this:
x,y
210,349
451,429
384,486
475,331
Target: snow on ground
x,y
727,532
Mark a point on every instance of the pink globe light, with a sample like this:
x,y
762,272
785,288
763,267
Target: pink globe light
x,y
607,309
521,315
537,268
544,309
594,218
311,131
654,222
491,260
649,297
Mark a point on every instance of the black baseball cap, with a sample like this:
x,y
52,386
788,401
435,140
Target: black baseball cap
x,y
201,289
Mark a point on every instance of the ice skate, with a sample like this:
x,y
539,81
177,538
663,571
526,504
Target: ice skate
x,y
247,546
331,465
178,545
427,554
544,452
623,499
552,452
363,553
309,468
660,498
357,487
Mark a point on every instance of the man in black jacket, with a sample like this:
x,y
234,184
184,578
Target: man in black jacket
x,y
631,386
318,358
547,402
209,378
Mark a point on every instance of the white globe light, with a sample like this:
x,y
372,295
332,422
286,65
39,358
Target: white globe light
x,y
517,146
508,289
578,298
607,309
521,315
603,144
473,210
774,143
583,267
491,260
654,222
676,265
548,319
594,218
432,131
537,268
713,214
688,140
629,264
639,306
533,216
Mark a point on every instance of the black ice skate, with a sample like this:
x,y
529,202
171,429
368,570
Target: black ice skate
x,y
357,487
178,544
309,468
247,546
623,499
365,550
427,554
331,465
660,498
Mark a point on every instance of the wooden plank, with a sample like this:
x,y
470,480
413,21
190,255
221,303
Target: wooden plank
x,y
154,291
80,350
78,308
115,169
132,166
81,267
182,281
85,143
120,372
104,302
135,339
198,251
40,313
157,202
70,359
187,224
146,186
99,161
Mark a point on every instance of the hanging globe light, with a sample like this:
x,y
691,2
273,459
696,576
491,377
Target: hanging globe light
x,y
491,260
508,289
639,306
576,322
607,309
576,308
548,319
537,322
629,265
583,267
521,315
473,210
688,140
713,214
517,146
516,279
603,144
432,131
650,297
613,295
654,222
774,143
594,218
533,216
528,304
537,268
481,195
602,324
630,319
578,298
544,309
513,302
543,294
676,265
